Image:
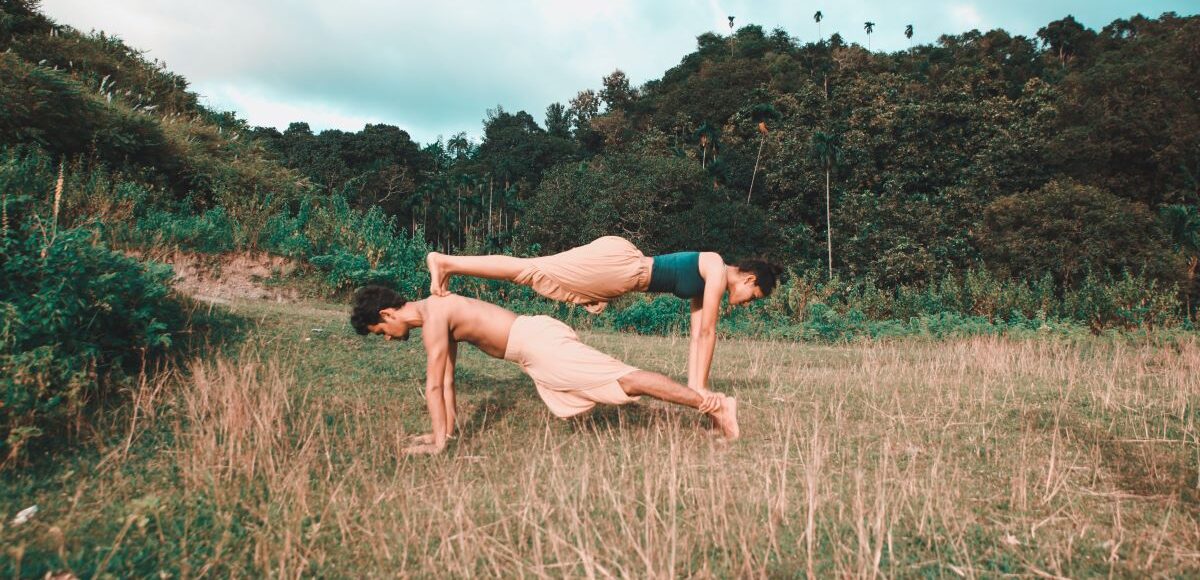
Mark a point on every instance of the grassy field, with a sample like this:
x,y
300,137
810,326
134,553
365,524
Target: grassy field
x,y
974,458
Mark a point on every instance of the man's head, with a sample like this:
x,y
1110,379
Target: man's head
x,y
754,279
377,311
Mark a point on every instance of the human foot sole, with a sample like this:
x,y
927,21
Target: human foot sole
x,y
437,279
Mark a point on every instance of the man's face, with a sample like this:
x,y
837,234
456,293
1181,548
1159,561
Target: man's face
x,y
391,325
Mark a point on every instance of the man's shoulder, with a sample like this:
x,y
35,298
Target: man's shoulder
x,y
452,305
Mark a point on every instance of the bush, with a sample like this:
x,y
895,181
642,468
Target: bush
x,y
658,315
213,231
1068,229
1128,303
358,248
75,317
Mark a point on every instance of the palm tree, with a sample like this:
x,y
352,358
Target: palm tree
x,y
869,27
824,149
1183,223
707,134
908,32
731,40
760,113
817,18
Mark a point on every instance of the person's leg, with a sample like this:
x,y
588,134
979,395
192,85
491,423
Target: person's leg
x,y
442,266
663,388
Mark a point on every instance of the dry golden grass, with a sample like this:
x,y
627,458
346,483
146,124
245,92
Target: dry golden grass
x,y
971,458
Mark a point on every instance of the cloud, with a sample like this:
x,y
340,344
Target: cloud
x,y
259,107
436,67
966,16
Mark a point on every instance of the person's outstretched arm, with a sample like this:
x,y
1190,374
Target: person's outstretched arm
x,y
448,396
435,334
705,312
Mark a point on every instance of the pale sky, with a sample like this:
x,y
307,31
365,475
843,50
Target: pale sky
x,y
434,68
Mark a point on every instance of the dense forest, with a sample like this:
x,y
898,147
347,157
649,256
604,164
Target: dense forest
x,y
1072,152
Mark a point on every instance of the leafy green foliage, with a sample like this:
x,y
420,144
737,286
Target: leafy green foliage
x,y
354,247
74,315
1067,229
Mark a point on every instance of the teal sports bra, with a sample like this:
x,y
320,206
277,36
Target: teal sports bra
x,y
677,273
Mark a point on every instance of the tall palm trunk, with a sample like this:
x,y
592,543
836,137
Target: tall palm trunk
x,y
828,224
1191,281
761,142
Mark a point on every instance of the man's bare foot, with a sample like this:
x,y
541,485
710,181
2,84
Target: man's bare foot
x,y
437,278
726,419
427,438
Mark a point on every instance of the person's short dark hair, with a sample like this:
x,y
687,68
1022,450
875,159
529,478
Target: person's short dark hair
x,y
368,301
766,274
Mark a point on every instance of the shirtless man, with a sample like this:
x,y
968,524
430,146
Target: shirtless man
x,y
570,376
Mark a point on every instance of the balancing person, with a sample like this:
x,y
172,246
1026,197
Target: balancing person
x,y
595,274
570,377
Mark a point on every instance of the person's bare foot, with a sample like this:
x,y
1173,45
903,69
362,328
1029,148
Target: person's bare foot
x,y
726,419
437,278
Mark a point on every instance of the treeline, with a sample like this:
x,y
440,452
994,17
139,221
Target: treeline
x,y
1069,153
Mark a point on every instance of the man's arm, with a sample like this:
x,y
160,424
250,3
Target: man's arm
x,y
448,396
435,334
705,313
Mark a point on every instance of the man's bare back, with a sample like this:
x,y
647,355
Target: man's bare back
x,y
480,323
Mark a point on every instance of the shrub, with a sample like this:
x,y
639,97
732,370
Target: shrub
x,y
212,231
1067,229
75,317
358,248
1127,303
658,315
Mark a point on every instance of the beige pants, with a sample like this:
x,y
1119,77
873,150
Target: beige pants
x,y
590,275
571,377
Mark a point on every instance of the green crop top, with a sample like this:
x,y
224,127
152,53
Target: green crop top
x,y
677,273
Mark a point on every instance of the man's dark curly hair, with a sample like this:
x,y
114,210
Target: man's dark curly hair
x,y
766,274
368,301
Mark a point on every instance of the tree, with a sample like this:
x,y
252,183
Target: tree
x,y
1068,229
583,108
459,146
817,18
558,121
708,137
616,93
825,150
1067,38
631,193
1183,226
908,33
731,40
760,114
869,27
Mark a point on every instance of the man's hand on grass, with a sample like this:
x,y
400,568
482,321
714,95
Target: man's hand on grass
x,y
711,401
